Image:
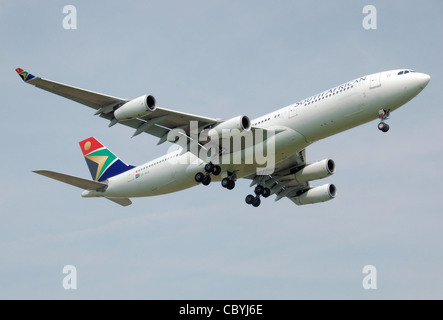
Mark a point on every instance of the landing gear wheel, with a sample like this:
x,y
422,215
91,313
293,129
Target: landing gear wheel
x,y
199,177
228,183
206,180
259,190
256,202
249,199
383,127
216,170
209,167
383,115
225,182
266,192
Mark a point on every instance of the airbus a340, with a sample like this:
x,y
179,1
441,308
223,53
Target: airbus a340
x,y
269,150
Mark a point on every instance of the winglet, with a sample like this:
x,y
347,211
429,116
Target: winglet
x,y
26,76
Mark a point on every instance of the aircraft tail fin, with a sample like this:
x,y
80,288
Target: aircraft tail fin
x,y
102,163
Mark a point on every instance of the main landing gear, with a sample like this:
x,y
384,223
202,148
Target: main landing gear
x,y
383,115
205,178
228,183
259,190
210,168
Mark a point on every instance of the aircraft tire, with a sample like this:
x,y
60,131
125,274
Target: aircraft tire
x,y
216,170
209,167
206,180
259,190
225,182
266,192
199,177
256,202
384,127
249,199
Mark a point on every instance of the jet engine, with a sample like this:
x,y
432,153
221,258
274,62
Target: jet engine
x,y
137,107
231,127
313,171
316,170
316,194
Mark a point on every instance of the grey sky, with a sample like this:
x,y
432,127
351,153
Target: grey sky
x,y
219,59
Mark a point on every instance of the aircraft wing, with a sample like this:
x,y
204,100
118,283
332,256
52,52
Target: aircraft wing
x,y
157,123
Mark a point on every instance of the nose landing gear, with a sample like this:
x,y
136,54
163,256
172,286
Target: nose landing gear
x,y
383,115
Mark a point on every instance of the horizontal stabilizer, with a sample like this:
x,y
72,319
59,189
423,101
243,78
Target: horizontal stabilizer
x,y
74,181
121,201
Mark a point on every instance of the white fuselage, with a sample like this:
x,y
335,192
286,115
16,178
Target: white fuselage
x,y
296,126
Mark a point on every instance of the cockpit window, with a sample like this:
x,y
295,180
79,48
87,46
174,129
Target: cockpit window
x,y
405,72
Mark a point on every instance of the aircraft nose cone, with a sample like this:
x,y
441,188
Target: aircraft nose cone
x,y
423,79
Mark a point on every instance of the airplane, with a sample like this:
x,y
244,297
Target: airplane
x,y
233,144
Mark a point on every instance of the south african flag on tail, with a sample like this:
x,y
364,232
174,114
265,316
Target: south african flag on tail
x,y
102,163
25,75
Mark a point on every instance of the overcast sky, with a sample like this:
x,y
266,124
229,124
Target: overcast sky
x,y
219,59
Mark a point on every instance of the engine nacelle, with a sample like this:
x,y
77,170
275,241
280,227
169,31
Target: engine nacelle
x,y
231,127
313,171
316,194
137,107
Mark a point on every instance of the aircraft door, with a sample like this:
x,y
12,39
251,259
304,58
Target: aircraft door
x,y
375,81
131,175
292,111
